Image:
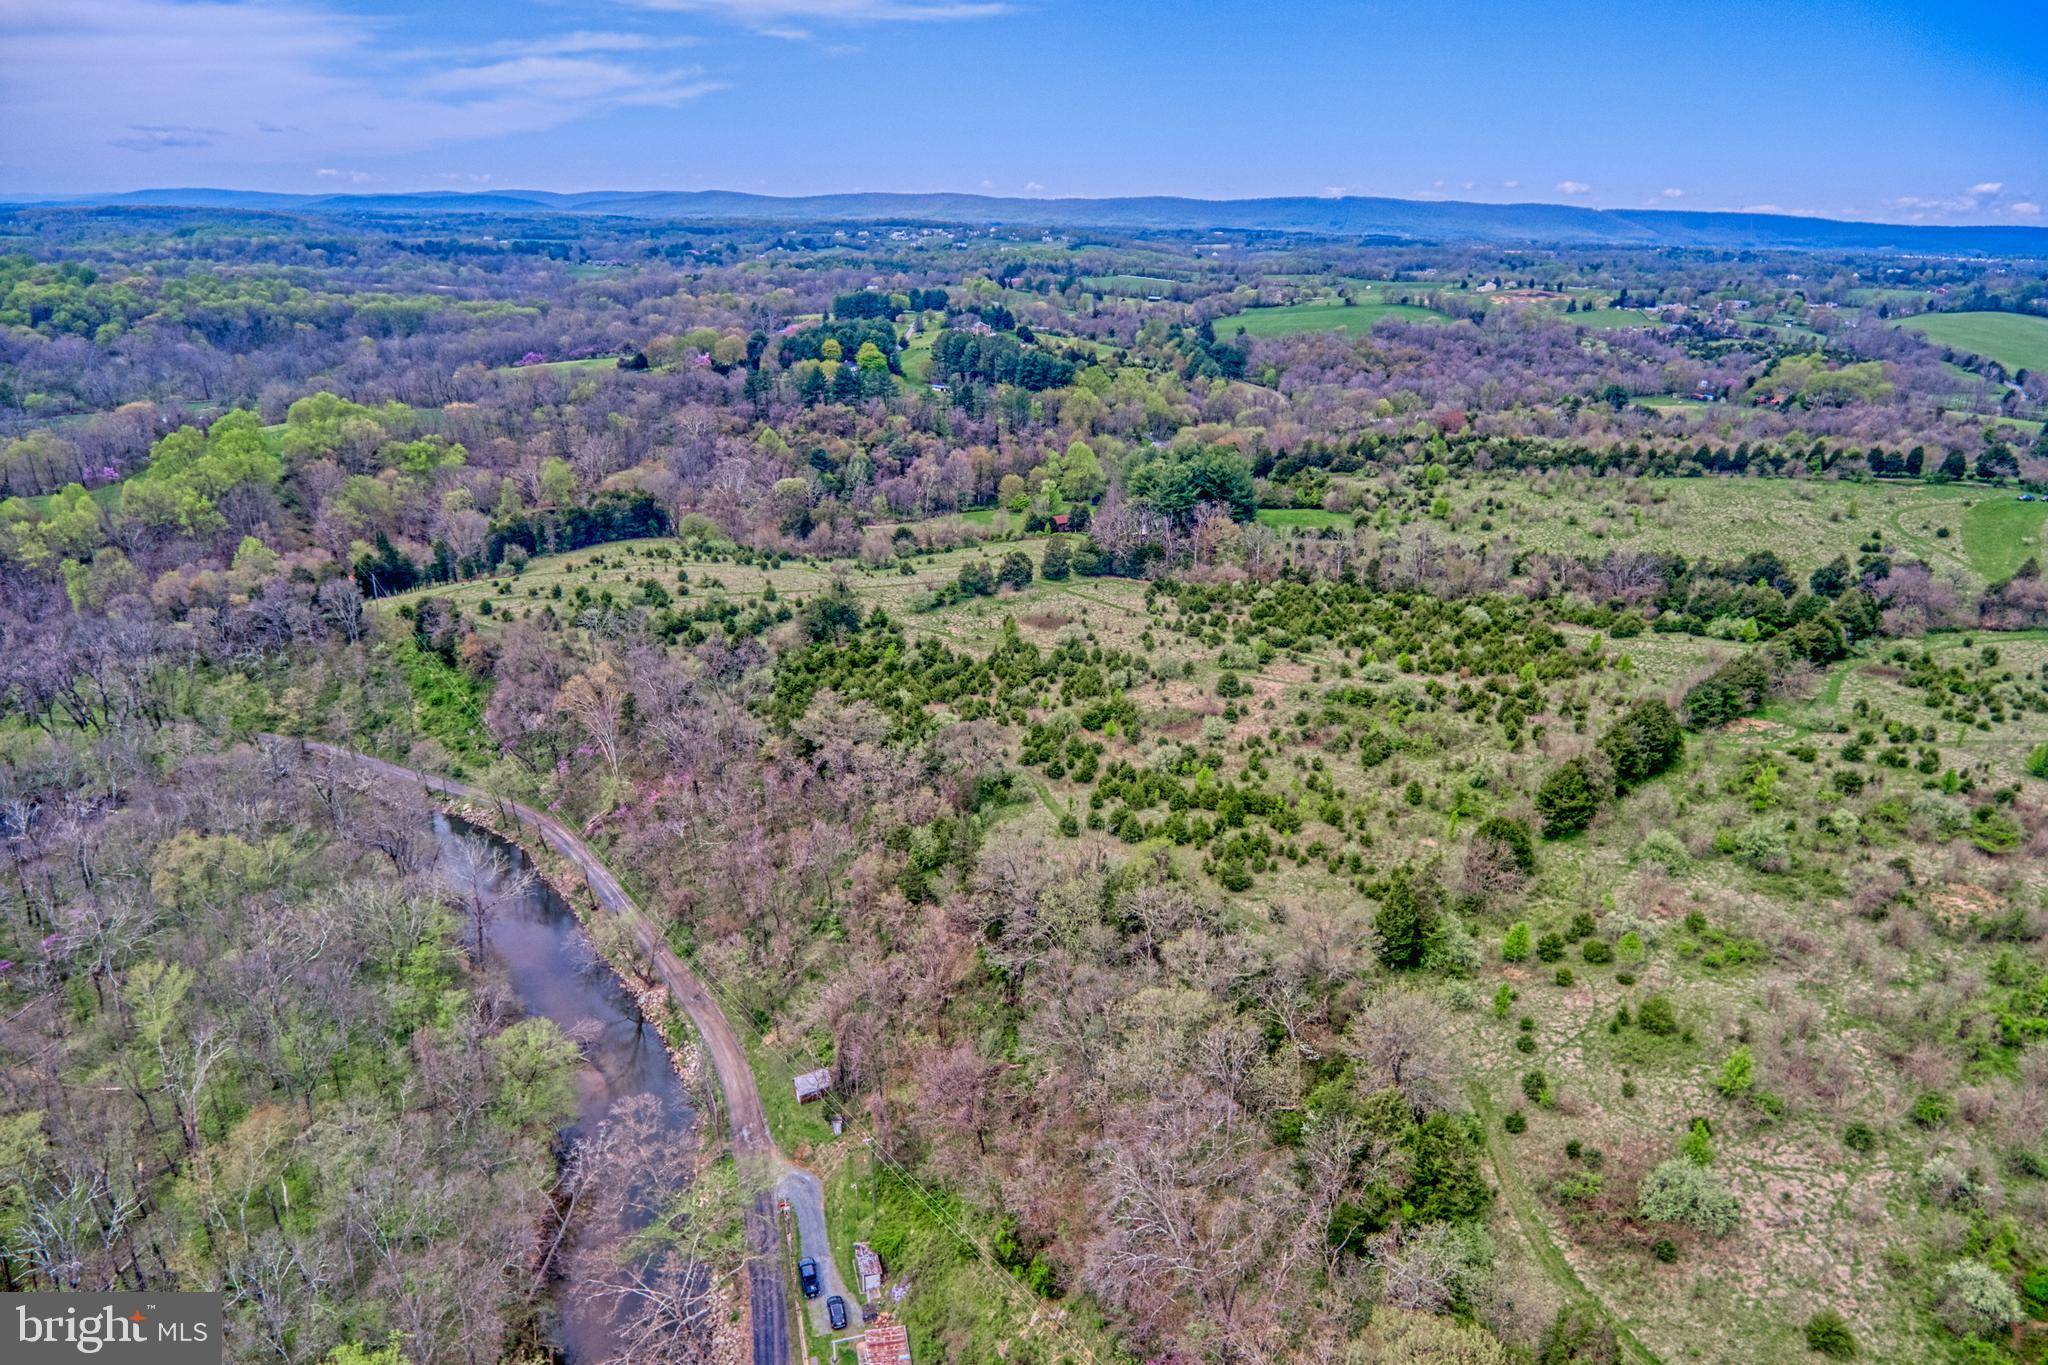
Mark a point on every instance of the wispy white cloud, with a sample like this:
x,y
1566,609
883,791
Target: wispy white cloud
x,y
1573,187
1986,196
352,177
1671,193
292,82
155,137
589,40
2024,208
762,15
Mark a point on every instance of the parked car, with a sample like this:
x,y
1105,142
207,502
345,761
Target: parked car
x,y
835,1310
807,1276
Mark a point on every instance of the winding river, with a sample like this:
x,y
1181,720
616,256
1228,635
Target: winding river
x,y
557,974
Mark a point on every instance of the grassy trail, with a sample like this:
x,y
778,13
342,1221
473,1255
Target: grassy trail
x,y
1523,1205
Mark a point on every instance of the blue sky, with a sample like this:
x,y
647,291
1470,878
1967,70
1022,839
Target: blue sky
x,y
1882,109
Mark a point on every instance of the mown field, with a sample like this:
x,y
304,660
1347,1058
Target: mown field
x,y
2015,341
1329,316
1978,534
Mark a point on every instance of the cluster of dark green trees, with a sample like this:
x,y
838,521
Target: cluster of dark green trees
x,y
1644,741
997,359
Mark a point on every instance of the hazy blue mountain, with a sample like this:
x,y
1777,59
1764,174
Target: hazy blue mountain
x,y
1417,220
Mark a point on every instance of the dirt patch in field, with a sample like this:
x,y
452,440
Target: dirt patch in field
x,y
1960,903
1753,725
1045,620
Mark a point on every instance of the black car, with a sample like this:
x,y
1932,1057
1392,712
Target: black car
x,y
807,1276
835,1310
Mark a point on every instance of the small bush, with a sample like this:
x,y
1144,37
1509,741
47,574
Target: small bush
x,y
1828,1335
1683,1192
1859,1137
1738,1074
1974,1300
1665,1250
1655,1015
1932,1109
1515,1122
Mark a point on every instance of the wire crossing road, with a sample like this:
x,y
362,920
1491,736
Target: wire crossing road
x,y
767,1286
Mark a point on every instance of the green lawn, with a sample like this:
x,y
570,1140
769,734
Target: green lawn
x,y
596,362
1326,316
2000,533
2015,341
1303,518
1610,319
1128,284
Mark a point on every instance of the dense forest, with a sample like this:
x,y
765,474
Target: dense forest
x,y
1315,800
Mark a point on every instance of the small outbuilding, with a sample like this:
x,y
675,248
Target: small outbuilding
x,y
886,1343
867,1268
812,1085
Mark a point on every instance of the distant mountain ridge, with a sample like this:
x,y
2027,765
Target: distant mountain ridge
x,y
1405,219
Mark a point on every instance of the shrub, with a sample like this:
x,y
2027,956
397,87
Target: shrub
x,y
1565,977
1535,1085
1515,1122
1995,831
2037,762
1596,950
1932,1109
1974,1300
1515,947
1568,799
1578,1336
1424,1338
1859,1137
1656,1016
1684,1192
1644,742
1738,1074
1549,948
1661,848
1828,1335
1407,918
1697,1146
1512,835
1665,1250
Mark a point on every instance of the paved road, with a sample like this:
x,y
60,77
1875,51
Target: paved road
x,y
767,1280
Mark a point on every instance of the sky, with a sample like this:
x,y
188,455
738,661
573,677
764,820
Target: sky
x,y
1891,110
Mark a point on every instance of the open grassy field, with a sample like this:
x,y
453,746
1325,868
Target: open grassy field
x,y
1326,316
2001,533
596,362
1139,285
916,359
1807,522
2015,341
1303,518
1609,319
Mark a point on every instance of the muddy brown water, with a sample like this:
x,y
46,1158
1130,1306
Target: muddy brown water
x,y
557,975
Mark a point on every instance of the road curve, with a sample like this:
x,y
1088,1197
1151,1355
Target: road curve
x,y
767,1285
